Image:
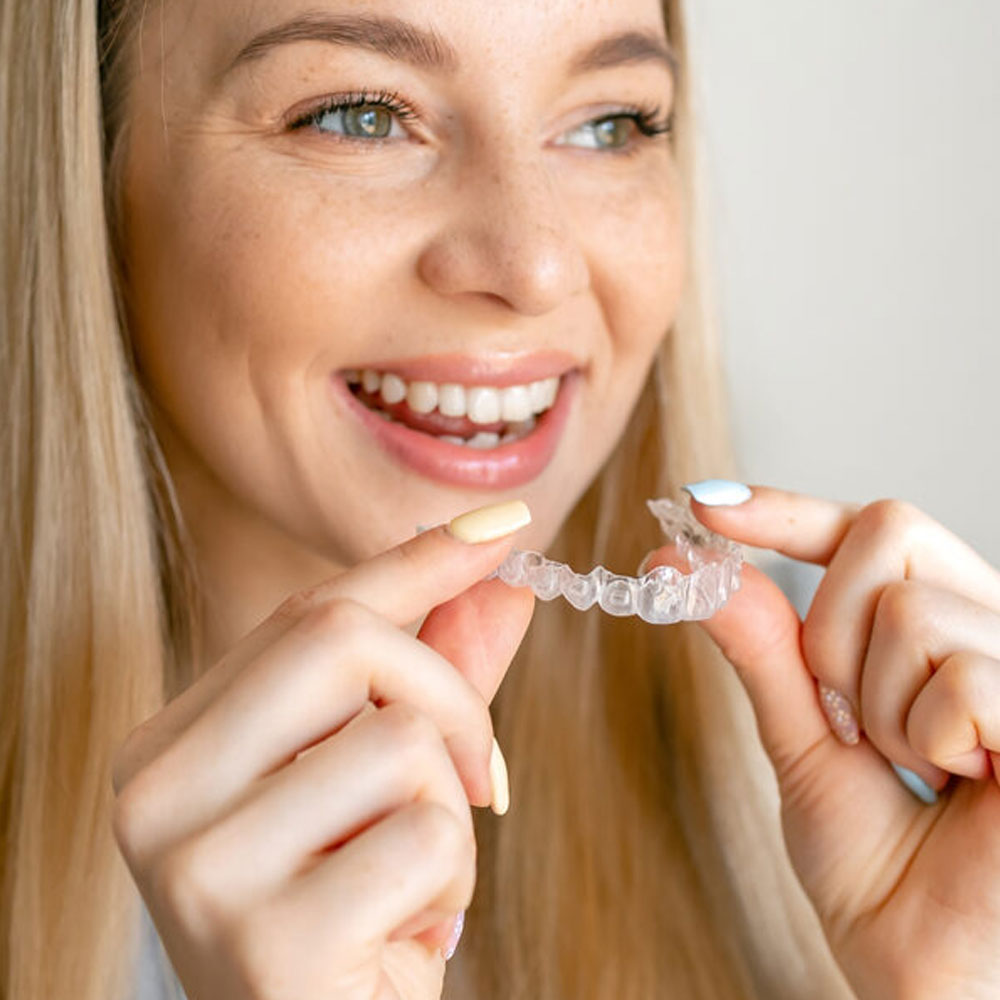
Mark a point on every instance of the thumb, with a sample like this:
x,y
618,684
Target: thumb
x,y
759,632
479,631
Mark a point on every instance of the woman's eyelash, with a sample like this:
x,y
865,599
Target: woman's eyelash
x,y
649,121
355,99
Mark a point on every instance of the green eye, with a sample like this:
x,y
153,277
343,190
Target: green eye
x,y
358,121
602,133
368,121
612,133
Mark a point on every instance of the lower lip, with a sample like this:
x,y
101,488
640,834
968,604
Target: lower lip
x,y
504,467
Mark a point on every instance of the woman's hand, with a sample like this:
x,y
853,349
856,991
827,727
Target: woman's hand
x,y
274,874
906,626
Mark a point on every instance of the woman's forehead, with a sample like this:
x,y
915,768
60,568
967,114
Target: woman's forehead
x,y
448,35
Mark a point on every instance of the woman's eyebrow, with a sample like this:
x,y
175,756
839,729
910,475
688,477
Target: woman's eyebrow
x,y
426,49
390,36
626,48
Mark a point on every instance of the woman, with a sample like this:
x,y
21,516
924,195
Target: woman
x,y
235,246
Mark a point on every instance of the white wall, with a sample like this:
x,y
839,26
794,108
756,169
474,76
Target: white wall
x,y
852,152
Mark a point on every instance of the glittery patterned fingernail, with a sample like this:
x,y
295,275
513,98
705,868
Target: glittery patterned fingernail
x,y
456,932
839,714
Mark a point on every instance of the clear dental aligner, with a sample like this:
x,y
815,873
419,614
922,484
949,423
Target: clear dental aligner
x,y
662,596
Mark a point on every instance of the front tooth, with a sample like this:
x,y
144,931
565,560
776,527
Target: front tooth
x,y
484,439
538,394
370,381
422,397
451,400
483,404
393,388
515,403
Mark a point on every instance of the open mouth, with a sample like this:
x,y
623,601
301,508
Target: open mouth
x,y
474,416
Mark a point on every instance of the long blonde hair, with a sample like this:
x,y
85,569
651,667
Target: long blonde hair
x,y
642,856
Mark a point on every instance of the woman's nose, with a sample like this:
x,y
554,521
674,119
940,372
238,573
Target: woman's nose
x,y
506,236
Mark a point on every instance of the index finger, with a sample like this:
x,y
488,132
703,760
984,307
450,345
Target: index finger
x,y
799,526
400,584
405,582
887,540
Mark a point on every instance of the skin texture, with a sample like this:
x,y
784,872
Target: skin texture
x,y
261,260
906,624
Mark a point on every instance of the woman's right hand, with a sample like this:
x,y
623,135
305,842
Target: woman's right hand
x,y
273,874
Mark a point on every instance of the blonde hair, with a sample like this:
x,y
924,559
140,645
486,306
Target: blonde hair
x,y
642,856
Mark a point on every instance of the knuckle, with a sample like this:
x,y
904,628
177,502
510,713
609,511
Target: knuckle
x,y
128,819
437,833
336,615
893,520
181,879
900,607
407,729
959,678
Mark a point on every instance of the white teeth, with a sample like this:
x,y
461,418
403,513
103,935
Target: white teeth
x,y
543,393
482,403
451,400
422,397
393,388
451,439
515,403
484,439
551,391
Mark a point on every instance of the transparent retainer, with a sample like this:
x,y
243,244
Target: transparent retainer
x,y
662,596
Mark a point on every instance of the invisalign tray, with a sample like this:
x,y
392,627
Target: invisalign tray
x,y
662,596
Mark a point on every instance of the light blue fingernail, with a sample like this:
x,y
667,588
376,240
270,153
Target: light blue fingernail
x,y
719,492
916,784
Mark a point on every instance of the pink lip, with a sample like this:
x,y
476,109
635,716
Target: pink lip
x,y
497,370
504,467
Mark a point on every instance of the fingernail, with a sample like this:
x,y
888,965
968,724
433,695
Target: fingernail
x,y
493,521
499,782
456,933
839,714
916,784
719,492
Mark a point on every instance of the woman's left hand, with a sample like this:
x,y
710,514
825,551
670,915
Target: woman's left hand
x,y
906,626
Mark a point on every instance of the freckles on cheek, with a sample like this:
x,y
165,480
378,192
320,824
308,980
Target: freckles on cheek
x,y
281,269
640,263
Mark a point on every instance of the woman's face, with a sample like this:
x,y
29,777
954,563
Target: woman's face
x,y
488,213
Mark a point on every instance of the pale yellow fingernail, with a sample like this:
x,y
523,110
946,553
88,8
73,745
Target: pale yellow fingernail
x,y
499,782
493,521
839,714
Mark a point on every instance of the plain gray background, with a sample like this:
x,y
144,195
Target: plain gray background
x,y
852,155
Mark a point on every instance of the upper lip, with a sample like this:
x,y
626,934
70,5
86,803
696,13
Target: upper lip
x,y
498,369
